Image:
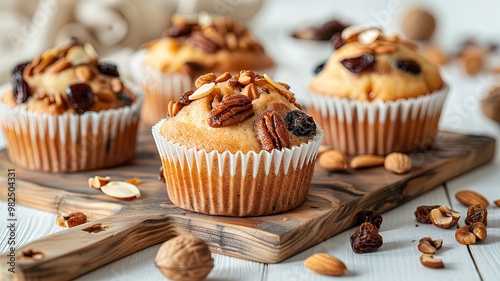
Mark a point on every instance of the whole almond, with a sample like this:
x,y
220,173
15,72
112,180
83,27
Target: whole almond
x,y
325,264
398,163
224,77
365,161
333,160
469,197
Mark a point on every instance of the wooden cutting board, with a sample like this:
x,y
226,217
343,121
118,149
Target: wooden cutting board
x,y
331,207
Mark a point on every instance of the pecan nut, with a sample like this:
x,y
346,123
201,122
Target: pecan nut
x,y
272,132
198,40
230,110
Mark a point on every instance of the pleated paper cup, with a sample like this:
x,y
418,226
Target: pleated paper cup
x,y
227,184
161,87
70,142
378,127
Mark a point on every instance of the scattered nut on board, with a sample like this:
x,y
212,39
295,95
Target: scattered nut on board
x,y
444,217
469,197
366,161
469,233
325,264
333,161
497,202
422,213
429,261
97,182
134,181
398,163
71,220
184,258
428,246
121,190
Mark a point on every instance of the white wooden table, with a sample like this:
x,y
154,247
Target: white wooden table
x,y
398,258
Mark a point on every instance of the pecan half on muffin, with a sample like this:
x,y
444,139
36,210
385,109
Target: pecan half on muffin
x,y
237,146
66,111
194,45
377,94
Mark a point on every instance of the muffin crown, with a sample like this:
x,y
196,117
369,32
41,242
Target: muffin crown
x,y
245,112
67,79
368,65
201,43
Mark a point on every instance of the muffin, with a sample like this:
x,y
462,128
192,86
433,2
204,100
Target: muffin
x,y
237,146
67,112
194,45
377,95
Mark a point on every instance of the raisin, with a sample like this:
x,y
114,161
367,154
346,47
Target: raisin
x,y
20,89
319,68
476,213
408,66
366,239
19,68
176,31
422,213
108,69
81,97
337,40
358,64
370,216
161,175
184,100
124,98
300,124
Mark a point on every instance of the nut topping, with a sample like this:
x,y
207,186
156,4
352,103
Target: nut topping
x,y
84,73
444,217
333,161
428,246
429,261
202,91
398,163
246,77
325,264
224,77
289,95
272,132
469,197
230,110
205,79
174,108
467,234
71,220
251,91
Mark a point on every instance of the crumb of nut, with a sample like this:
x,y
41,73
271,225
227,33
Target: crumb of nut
x,y
444,217
428,246
184,258
429,261
97,182
71,220
333,161
325,264
96,228
285,219
497,202
134,181
121,190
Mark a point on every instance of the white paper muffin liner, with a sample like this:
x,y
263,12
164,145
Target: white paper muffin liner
x,y
70,142
250,184
161,88
378,127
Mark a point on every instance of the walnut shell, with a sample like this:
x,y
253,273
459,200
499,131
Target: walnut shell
x,y
184,258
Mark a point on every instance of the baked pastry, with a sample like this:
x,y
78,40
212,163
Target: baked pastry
x,y
66,111
377,94
237,146
194,45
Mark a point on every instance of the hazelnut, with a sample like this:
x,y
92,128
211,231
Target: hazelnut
x,y
428,246
429,261
467,234
418,24
71,220
444,217
184,258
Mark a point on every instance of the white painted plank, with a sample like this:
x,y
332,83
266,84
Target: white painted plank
x,y
397,259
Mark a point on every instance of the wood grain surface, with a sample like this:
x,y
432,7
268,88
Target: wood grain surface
x,y
331,207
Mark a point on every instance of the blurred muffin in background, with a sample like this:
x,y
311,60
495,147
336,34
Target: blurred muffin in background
x,y
377,94
67,111
194,45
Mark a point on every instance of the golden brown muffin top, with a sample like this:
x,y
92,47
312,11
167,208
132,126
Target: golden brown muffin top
x,y
67,79
203,43
367,65
245,112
